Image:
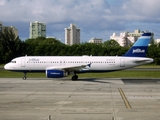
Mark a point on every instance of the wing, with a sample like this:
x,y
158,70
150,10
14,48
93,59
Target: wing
x,y
68,68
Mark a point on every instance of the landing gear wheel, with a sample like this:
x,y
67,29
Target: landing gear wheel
x,y
75,77
24,78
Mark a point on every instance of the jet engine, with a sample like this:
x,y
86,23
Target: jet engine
x,y
56,73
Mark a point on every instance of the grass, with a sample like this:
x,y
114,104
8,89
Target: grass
x,y
10,74
148,66
118,74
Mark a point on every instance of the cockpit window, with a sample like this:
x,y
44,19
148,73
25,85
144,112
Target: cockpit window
x,y
13,61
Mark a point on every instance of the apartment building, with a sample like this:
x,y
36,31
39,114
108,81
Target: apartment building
x,y
127,38
96,40
72,35
37,29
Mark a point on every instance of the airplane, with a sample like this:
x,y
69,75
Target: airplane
x,y
62,66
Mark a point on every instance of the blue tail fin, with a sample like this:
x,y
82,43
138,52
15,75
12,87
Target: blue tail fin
x,y
140,47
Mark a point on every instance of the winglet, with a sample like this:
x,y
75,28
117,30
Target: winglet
x,y
140,48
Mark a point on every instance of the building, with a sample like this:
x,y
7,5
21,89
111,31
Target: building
x,y
0,28
37,29
157,41
8,28
127,38
72,35
136,33
96,40
122,39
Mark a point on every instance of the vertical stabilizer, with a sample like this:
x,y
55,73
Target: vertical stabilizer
x,y
140,47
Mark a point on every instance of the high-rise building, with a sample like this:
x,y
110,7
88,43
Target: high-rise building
x,y
37,29
8,28
72,35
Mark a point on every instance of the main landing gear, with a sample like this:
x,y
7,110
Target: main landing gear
x,y
74,77
24,77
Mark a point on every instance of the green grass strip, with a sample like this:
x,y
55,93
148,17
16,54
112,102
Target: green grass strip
x,y
118,74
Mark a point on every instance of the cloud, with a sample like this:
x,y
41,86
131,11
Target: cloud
x,y
91,16
88,11
52,10
144,11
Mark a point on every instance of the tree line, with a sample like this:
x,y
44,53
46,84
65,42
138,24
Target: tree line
x,y
12,46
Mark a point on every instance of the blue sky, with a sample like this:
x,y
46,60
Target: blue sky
x,y
96,18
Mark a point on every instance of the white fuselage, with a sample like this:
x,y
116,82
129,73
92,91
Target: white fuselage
x,y
95,63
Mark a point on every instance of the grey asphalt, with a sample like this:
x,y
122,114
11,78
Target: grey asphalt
x,y
85,99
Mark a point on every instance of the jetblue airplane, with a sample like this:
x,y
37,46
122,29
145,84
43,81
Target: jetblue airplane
x,y
62,66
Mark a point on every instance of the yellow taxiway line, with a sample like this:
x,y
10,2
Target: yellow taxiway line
x,y
124,98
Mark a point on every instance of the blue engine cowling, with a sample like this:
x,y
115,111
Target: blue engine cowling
x,y
56,73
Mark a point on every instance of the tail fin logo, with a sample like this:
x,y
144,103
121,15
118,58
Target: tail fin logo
x,y
138,51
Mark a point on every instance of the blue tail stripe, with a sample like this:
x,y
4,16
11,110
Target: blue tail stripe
x,y
142,41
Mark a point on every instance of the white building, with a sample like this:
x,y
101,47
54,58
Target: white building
x,y
37,29
126,38
72,35
96,40
136,33
157,41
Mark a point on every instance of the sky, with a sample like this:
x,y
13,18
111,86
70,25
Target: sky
x,y
95,18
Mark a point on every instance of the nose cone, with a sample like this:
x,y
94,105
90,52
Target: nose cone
x,y
6,67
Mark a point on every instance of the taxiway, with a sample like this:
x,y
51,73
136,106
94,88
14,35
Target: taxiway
x,y
85,99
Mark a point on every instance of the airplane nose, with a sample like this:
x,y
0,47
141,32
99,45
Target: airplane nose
x,y
6,67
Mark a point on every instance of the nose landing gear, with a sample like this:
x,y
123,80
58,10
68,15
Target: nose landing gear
x,y
24,77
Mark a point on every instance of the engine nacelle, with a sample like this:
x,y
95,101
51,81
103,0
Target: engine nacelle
x,y
56,73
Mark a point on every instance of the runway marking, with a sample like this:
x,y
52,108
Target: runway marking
x,y
124,98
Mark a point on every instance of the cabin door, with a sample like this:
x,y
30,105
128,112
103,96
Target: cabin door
x,y
23,62
122,62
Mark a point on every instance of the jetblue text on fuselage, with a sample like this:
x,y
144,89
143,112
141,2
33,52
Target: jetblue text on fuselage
x,y
34,59
138,51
